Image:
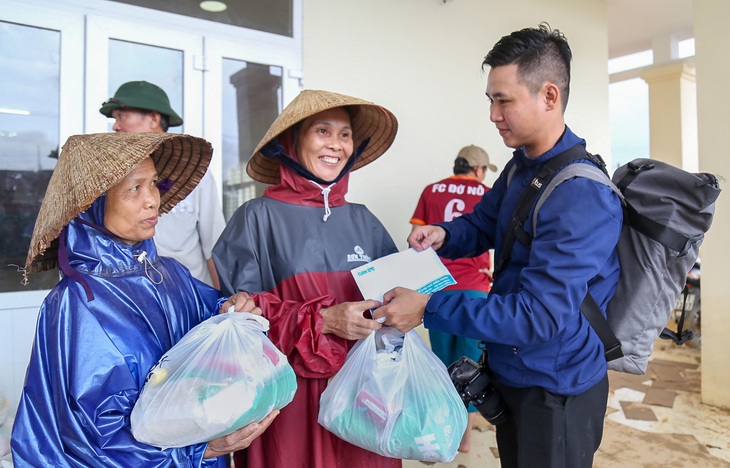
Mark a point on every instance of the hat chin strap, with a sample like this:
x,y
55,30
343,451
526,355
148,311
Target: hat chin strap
x,y
274,149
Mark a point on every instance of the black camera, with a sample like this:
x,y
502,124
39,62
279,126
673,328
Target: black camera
x,y
473,385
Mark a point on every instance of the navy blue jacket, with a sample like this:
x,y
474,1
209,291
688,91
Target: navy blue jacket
x,y
534,331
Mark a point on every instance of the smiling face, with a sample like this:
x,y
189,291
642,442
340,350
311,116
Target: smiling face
x,y
325,143
523,118
133,205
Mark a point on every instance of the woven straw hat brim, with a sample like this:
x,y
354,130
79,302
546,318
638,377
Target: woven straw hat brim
x,y
369,120
89,165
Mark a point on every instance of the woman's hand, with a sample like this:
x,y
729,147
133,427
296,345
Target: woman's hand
x,y
241,302
239,439
346,319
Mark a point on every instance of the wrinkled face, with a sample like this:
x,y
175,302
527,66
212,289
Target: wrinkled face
x,y
128,120
133,205
325,143
517,113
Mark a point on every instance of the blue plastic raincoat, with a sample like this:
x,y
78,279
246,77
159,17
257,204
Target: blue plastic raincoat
x,y
90,357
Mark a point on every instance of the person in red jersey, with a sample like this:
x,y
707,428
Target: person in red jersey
x,y
446,200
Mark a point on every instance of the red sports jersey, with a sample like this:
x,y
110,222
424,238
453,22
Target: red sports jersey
x,y
444,201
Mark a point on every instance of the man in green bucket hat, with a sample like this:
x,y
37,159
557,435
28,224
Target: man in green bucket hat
x,y
189,231
139,100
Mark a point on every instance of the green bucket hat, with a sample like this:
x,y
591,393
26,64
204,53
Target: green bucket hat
x,y
141,95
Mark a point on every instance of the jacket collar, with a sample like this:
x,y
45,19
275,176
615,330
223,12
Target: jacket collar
x,y
298,190
90,249
567,140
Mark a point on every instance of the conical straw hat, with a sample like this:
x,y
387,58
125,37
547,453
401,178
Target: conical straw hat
x,y
369,120
89,165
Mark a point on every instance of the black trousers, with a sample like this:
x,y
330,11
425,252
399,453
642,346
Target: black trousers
x,y
548,430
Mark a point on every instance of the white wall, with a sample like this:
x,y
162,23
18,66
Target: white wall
x,y
713,113
422,60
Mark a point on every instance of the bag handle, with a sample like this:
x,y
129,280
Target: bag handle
x,y
248,319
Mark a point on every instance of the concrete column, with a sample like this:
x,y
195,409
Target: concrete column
x,y
712,58
673,114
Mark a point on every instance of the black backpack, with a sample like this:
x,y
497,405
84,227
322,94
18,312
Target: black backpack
x,y
667,212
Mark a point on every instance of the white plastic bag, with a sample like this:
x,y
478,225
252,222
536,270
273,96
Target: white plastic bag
x,y
222,375
394,397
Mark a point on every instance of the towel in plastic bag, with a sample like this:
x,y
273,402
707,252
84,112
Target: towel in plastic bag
x,y
222,375
394,397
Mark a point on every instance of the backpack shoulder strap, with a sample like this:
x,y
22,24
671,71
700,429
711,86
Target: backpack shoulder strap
x,y
588,171
589,307
540,188
515,230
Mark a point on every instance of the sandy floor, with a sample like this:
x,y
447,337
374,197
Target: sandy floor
x,y
655,420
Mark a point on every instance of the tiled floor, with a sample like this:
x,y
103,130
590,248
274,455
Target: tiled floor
x,y
654,420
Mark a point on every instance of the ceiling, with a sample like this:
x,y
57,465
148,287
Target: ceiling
x,y
633,23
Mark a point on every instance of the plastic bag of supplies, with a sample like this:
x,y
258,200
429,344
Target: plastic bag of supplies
x,y
222,375
394,397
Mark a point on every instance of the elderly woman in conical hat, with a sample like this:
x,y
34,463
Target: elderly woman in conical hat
x,y
118,306
293,249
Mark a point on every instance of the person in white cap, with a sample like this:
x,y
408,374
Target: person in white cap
x,y
446,200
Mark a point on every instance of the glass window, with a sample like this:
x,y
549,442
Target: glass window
x,y
130,61
29,141
274,16
251,100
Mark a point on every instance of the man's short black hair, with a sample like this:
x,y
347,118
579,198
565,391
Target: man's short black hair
x,y
541,54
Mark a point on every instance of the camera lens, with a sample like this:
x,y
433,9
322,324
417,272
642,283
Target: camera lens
x,y
491,406
473,385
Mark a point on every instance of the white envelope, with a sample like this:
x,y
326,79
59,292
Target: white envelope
x,y
420,271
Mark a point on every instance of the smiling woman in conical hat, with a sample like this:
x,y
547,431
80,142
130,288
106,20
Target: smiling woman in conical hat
x,y
295,247
373,128
118,306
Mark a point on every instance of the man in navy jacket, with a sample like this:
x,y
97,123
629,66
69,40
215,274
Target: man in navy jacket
x,y
545,359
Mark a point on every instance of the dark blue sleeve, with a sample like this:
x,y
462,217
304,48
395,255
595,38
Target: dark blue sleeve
x,y
577,232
